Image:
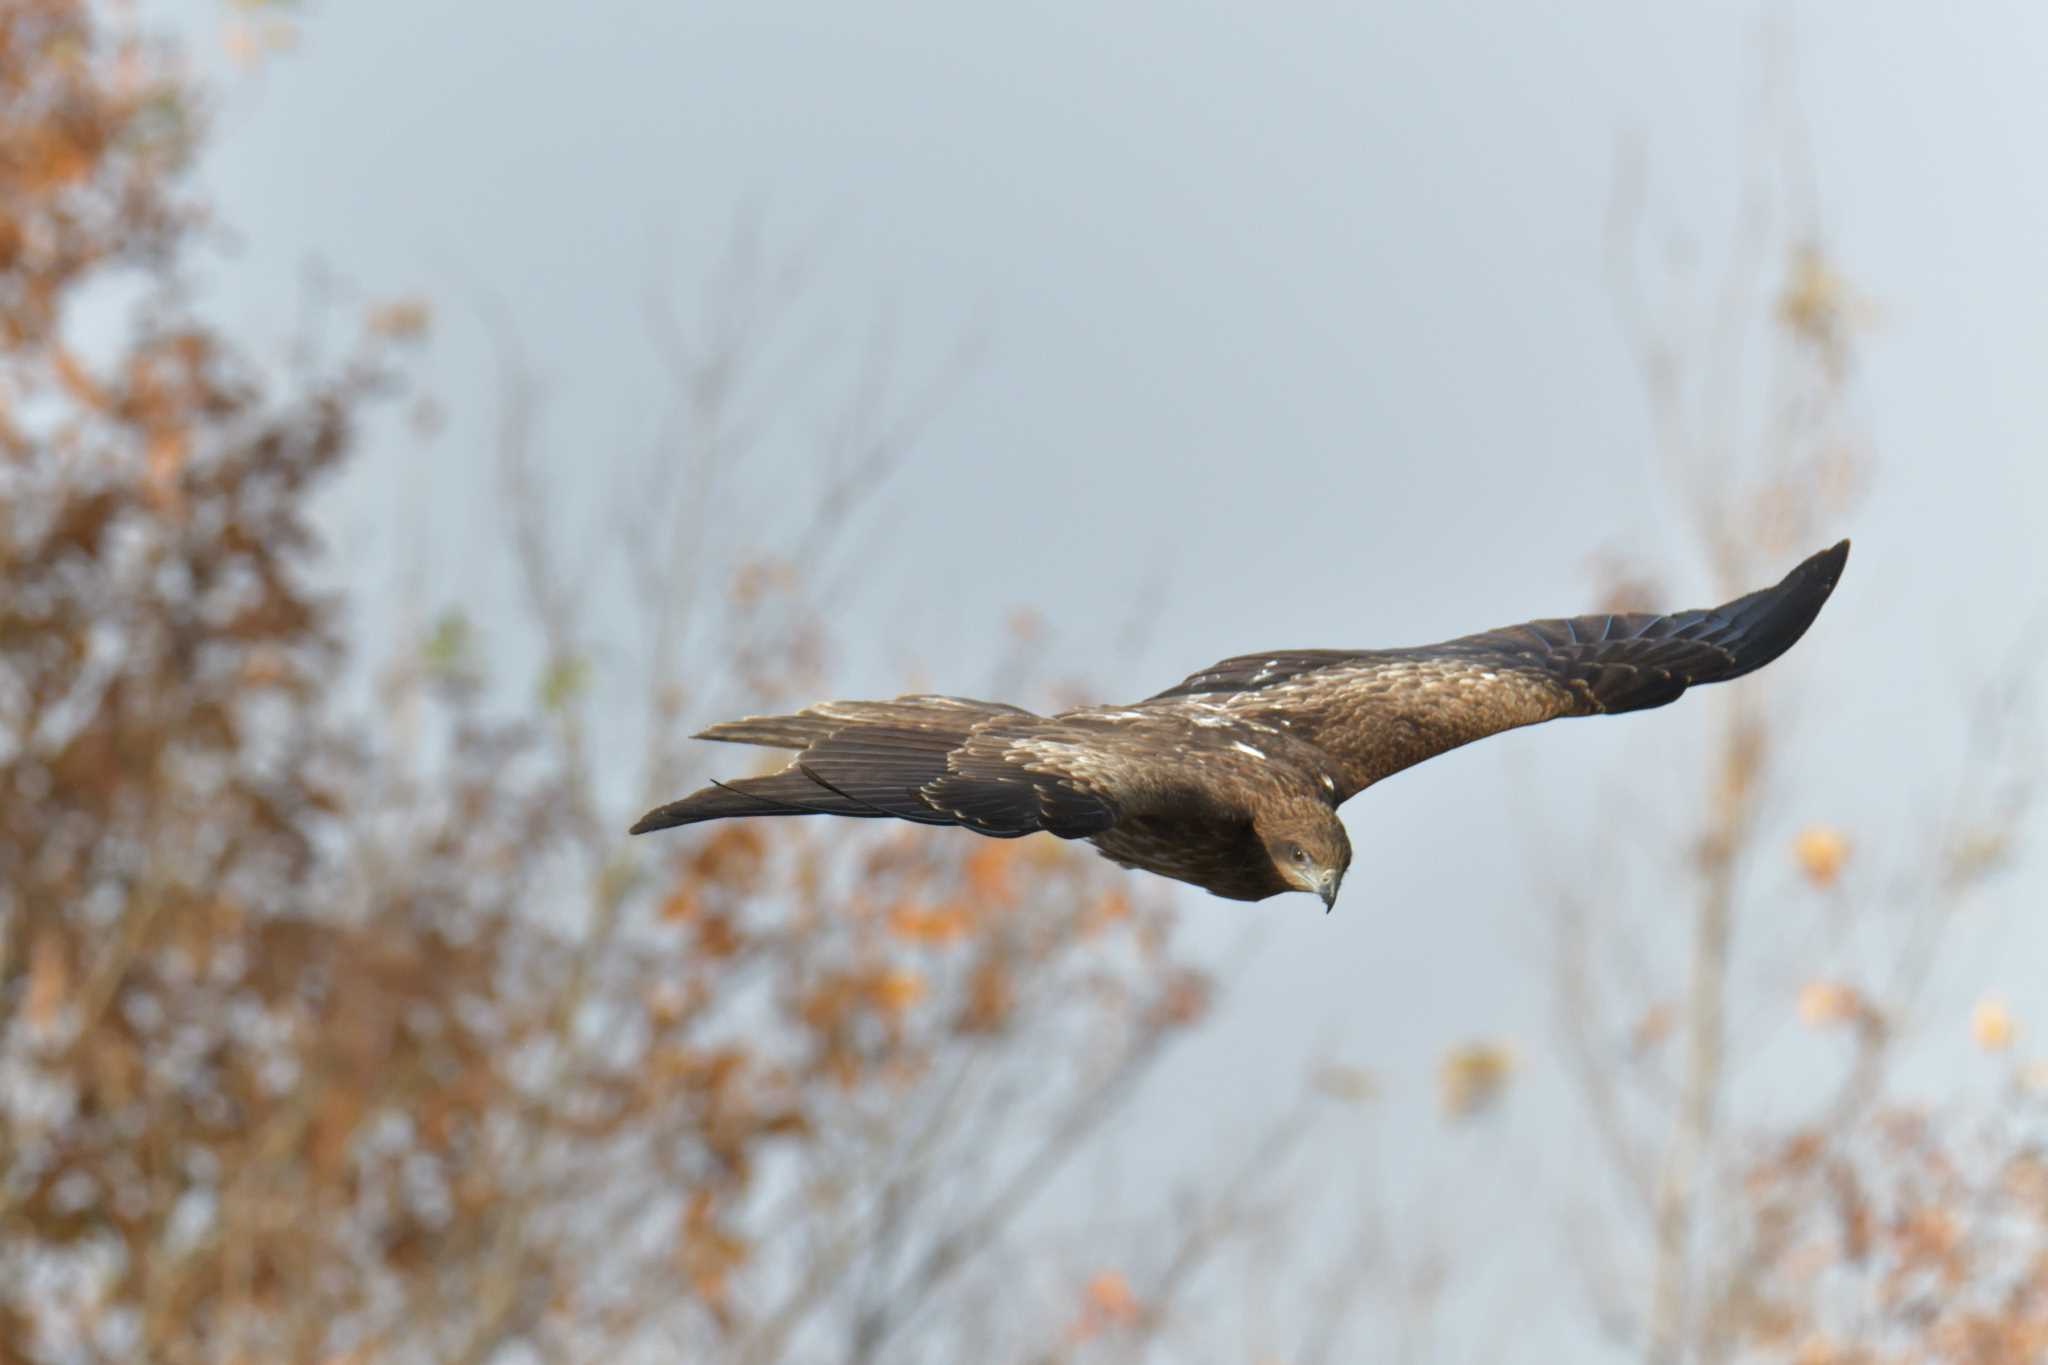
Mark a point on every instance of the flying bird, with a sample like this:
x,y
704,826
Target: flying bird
x,y
1231,779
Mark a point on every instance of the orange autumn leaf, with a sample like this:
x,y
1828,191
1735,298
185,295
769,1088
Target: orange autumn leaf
x,y
267,668
1991,1024
666,1004
1106,1302
55,160
401,319
49,984
168,447
78,381
1472,1076
1111,907
1110,1293
899,988
1186,998
941,924
707,1252
1822,1003
1820,851
717,936
733,856
987,872
1817,1350
991,997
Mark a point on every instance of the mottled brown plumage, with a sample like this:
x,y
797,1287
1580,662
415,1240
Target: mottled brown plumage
x,y
1231,779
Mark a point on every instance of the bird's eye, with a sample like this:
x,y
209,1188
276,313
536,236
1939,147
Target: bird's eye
x,y
1301,855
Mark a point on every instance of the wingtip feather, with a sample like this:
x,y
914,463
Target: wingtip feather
x,y
1776,618
1829,563
651,822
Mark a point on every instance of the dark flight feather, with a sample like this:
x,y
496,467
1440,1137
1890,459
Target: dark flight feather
x,y
1375,712
1188,782
1736,638
1640,660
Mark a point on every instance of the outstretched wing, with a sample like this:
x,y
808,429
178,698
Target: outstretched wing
x,y
988,767
1376,712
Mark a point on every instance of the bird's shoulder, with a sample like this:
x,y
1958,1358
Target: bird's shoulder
x,y
1262,670
1196,722
1197,740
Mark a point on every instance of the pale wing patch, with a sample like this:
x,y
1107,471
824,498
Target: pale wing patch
x,y
1058,757
1377,717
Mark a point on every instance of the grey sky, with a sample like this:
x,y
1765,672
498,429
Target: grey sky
x,y
1295,310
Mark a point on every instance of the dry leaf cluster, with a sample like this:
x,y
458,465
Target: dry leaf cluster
x,y
328,1040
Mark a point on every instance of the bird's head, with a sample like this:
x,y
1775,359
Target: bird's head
x,y
1309,848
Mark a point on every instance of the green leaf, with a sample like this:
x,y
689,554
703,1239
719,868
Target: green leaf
x,y
566,679
450,648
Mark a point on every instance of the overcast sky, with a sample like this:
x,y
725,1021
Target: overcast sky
x,y
1295,312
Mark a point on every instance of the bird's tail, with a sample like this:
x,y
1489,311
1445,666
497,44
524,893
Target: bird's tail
x,y
783,793
863,759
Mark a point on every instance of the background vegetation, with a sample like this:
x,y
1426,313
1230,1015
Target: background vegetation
x,y
340,1039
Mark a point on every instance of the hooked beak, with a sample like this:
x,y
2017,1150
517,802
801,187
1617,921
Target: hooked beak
x,y
1327,889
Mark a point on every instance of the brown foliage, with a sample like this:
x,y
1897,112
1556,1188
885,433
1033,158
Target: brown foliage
x,y
1902,1240
333,1044
1845,1242
91,138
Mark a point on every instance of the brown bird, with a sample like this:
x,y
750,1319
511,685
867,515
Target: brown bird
x,y
1231,780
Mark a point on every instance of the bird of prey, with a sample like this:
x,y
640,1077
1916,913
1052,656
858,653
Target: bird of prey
x,y
1231,779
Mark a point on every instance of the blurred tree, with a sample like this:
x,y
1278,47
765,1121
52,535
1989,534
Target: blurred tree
x,y
330,1045
1750,373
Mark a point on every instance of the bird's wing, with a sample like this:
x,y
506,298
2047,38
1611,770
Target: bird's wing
x,y
991,768
1005,779
1376,712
